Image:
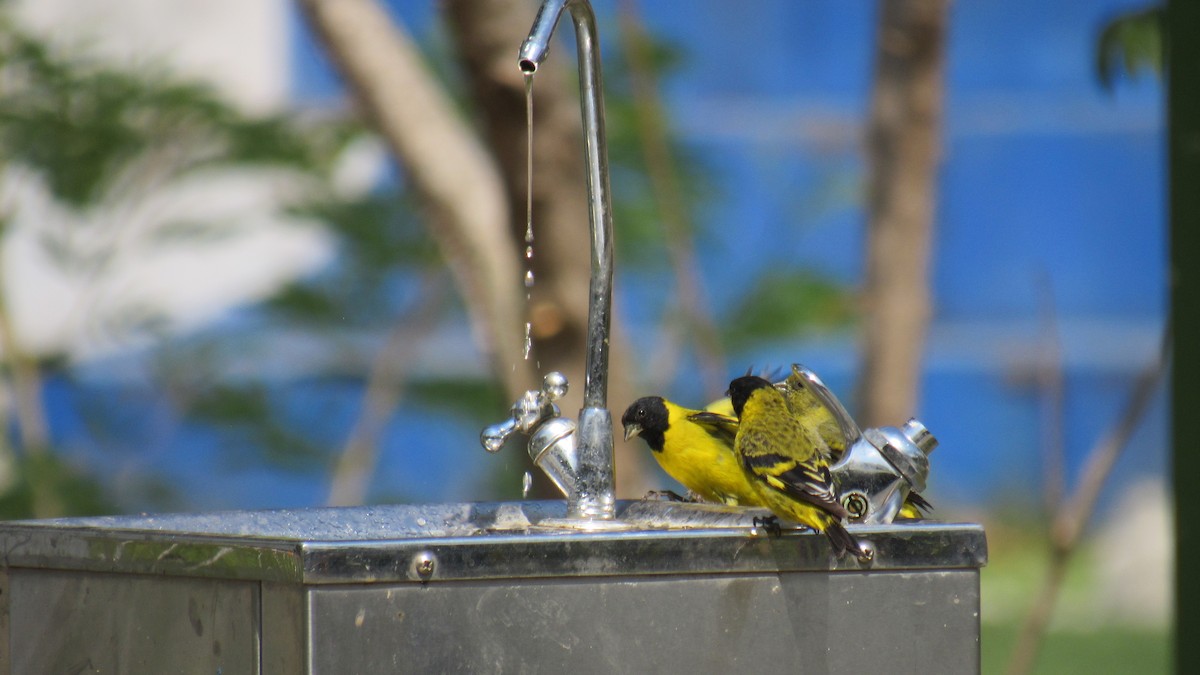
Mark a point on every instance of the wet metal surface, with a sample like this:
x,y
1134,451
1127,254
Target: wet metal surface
x,y
481,587
470,541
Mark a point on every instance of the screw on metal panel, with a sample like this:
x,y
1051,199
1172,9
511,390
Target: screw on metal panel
x,y
856,505
424,564
866,552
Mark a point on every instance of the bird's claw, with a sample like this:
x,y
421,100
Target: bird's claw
x,y
665,496
769,524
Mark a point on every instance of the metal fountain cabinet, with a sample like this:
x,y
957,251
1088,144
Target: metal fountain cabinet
x,y
480,588
585,585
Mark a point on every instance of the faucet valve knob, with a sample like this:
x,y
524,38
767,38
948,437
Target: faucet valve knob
x,y
528,413
906,449
554,385
494,436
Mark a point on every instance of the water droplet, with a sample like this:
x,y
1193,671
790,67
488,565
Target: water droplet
x,y
493,443
526,484
528,278
529,253
528,339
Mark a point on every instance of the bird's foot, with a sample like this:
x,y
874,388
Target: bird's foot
x,y
665,496
769,524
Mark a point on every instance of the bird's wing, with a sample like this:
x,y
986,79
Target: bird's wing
x,y
805,481
812,413
723,427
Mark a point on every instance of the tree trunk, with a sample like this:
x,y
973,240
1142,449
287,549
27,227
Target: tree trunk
x,y
457,180
476,201
488,34
903,146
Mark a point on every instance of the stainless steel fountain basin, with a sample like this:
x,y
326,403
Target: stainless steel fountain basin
x,y
480,588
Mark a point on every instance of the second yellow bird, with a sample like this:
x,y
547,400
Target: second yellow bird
x,y
807,407
786,462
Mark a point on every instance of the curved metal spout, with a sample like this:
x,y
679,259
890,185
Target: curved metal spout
x,y
597,493
595,149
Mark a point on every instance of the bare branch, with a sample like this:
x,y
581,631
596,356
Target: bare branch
x,y
1067,529
384,389
1051,399
672,209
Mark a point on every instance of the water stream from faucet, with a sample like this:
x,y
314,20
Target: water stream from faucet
x,y
528,346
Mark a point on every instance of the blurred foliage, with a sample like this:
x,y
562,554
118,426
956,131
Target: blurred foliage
x,y
247,417
98,136
47,486
1106,650
90,130
382,245
1129,44
785,304
478,399
1090,633
639,231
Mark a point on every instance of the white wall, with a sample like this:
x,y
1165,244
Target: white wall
x,y
241,47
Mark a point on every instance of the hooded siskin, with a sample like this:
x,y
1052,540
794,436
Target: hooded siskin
x,y
812,413
693,448
786,461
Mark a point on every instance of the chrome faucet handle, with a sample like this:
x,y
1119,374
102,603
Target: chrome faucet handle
x,y
906,449
528,413
554,448
879,470
879,466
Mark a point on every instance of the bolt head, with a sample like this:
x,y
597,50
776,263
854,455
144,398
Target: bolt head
x,y
866,553
856,505
423,565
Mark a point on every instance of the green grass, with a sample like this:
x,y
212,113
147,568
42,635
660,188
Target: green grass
x,y
1107,651
1081,639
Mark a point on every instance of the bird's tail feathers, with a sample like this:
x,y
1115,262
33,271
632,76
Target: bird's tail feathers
x,y
919,502
843,542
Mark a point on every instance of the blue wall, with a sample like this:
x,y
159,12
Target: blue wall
x,y
1050,192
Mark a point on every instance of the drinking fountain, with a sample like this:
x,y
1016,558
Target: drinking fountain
x,y
588,584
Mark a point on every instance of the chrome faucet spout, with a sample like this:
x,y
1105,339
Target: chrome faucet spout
x,y
596,491
595,147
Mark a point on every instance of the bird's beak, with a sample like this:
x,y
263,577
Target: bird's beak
x,y
632,429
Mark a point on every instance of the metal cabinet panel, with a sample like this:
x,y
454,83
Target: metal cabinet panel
x,y
76,622
486,587
924,622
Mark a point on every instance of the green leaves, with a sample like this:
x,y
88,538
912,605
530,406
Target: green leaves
x,y
249,415
788,303
92,132
381,242
47,486
1130,43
